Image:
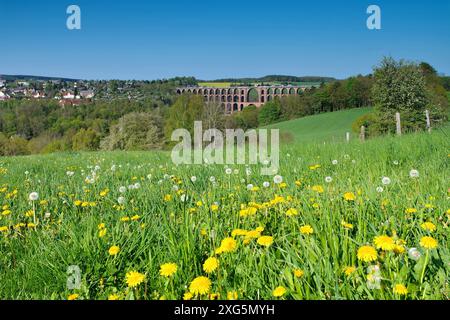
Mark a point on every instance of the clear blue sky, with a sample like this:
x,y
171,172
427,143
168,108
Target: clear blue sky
x,y
217,39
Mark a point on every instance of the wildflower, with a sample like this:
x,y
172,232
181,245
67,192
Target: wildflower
x,y
298,273
73,296
278,179
400,289
410,210
428,243
380,189
279,291
238,232
101,226
384,242
414,173
292,212
200,285
386,181
33,196
188,296
373,277
214,207
265,241
227,245
113,297
349,270
349,196
214,296
334,162
167,197
346,225
428,226
210,265
3,228
168,269
306,230
266,184
135,218
328,179
318,189
134,278
102,233
367,254
414,254
121,200
232,295
113,250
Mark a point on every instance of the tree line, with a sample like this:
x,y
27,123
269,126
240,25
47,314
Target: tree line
x,y
43,126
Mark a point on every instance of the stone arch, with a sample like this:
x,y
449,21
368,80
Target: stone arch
x,y
300,91
224,91
178,91
242,99
270,91
284,91
262,91
235,91
242,107
236,99
229,99
277,91
229,91
262,99
223,98
211,91
292,91
217,91
235,107
269,98
252,95
228,107
194,91
242,91
189,90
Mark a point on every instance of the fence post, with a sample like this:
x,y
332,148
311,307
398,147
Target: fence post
x,y
347,136
399,126
427,114
362,135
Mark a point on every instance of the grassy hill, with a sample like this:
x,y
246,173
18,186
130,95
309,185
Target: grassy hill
x,y
322,127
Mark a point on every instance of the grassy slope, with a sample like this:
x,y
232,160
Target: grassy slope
x,y
321,127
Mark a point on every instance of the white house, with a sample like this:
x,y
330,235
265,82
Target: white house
x,y
4,96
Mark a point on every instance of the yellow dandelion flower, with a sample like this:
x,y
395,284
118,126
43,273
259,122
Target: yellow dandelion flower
x,y
428,226
210,265
349,196
113,297
318,189
168,269
349,270
298,273
400,289
200,285
346,225
134,278
102,233
367,254
113,250
279,292
238,232
265,241
73,296
410,210
227,245
384,242
214,207
307,230
101,226
428,243
188,296
232,295
292,212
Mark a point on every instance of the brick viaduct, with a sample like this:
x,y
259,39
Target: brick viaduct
x,y
234,99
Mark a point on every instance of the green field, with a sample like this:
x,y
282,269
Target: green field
x,y
323,127
215,84
304,238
